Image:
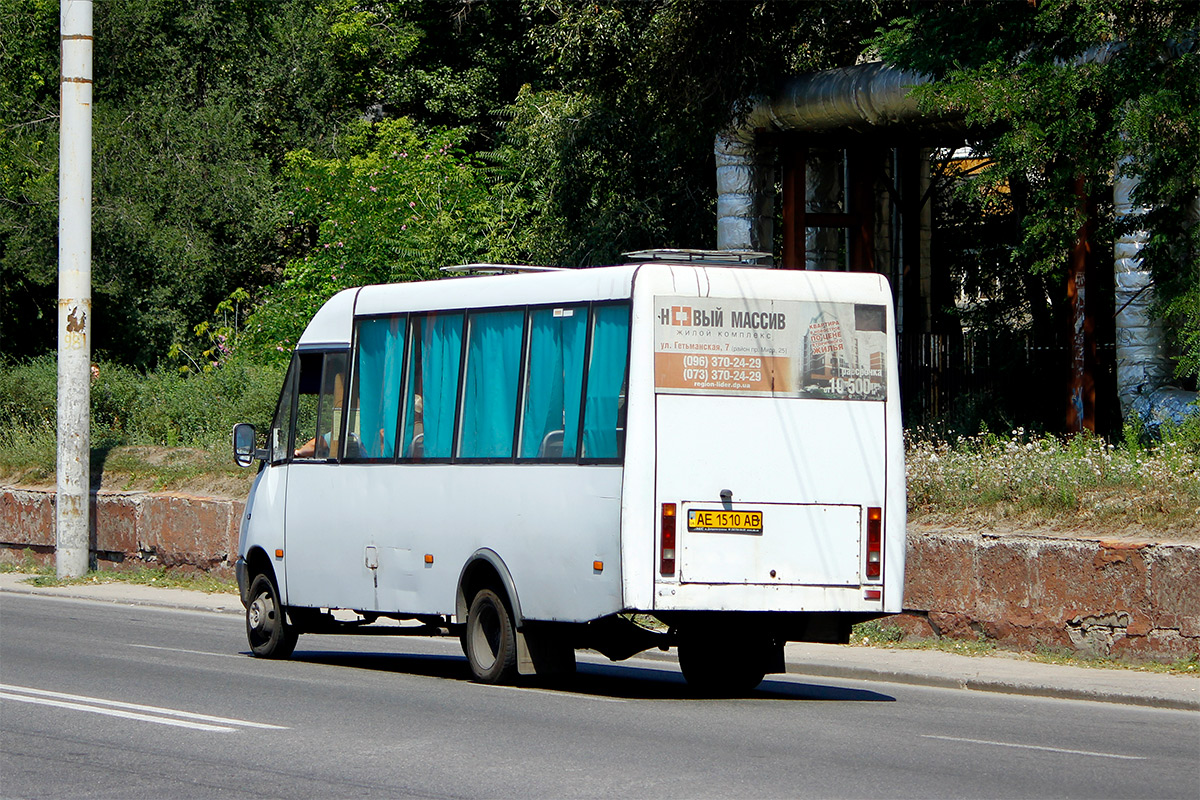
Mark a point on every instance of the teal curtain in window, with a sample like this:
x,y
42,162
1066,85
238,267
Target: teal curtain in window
x,y
380,350
490,392
604,414
550,427
432,385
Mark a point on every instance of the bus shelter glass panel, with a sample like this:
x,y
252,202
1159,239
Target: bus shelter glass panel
x,y
554,383
604,412
375,400
493,375
429,402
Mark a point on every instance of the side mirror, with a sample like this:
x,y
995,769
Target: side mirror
x,y
244,439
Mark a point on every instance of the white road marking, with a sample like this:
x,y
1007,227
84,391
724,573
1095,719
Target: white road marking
x,y
1034,747
549,691
101,706
189,652
112,712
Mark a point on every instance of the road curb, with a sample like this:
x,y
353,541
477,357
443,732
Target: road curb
x,y
998,687
233,609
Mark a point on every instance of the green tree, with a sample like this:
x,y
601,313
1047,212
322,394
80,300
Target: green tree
x,y
1060,90
195,106
614,150
28,190
396,205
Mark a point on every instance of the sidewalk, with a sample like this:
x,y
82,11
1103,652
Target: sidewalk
x,y
129,594
996,673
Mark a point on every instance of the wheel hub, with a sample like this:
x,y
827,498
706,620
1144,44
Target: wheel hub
x,y
259,613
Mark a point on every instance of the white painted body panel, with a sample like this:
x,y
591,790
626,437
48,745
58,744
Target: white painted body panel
x,y
263,518
811,466
800,544
333,323
780,450
818,462
548,522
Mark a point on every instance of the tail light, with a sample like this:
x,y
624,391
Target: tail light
x,y
874,542
666,554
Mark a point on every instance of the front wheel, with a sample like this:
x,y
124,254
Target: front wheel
x,y
490,639
267,629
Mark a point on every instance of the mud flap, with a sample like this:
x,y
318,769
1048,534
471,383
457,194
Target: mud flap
x,y
543,654
774,660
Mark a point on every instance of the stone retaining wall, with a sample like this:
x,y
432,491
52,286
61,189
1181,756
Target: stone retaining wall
x,y
1113,598
129,528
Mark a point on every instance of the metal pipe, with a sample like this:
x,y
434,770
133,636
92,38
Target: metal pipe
x,y
862,97
74,290
1143,365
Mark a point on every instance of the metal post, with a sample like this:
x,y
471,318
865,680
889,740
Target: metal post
x,y
1081,404
74,288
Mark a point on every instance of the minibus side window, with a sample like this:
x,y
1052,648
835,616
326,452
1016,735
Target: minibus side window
x,y
320,390
553,383
489,407
604,413
375,390
434,356
281,427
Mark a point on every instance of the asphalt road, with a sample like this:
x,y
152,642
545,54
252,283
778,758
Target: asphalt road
x,y
100,700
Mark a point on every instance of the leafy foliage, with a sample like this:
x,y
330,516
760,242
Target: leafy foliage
x,y
558,131
615,153
395,206
1060,91
128,406
196,104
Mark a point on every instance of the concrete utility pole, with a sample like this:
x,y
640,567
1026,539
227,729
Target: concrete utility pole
x,y
74,289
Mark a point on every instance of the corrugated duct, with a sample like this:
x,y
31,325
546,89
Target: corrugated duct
x,y
852,98
1143,365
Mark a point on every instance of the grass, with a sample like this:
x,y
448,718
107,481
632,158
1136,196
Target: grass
x,y
145,576
875,634
1037,479
150,430
27,566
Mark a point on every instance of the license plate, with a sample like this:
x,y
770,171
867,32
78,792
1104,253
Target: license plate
x,y
713,521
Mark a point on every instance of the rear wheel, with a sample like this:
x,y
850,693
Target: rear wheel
x,y
490,639
722,666
267,629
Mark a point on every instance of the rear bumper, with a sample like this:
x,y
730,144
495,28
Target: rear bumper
x,y
774,598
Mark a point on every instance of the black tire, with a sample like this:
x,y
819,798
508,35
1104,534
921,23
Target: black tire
x,y
267,628
720,666
490,640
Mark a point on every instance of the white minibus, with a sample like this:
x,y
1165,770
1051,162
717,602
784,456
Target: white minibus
x,y
669,453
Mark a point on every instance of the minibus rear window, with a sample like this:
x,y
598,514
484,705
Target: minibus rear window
x,y
603,419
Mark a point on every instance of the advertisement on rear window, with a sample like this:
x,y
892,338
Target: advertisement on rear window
x,y
770,348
